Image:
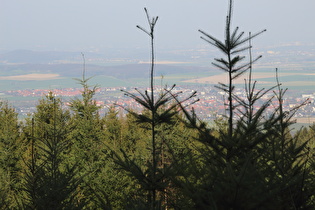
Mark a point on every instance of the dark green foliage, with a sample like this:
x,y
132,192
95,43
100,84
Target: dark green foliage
x,y
113,129
86,124
49,181
88,144
288,159
10,157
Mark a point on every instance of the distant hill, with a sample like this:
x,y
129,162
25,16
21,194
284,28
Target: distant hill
x,y
40,57
120,71
70,64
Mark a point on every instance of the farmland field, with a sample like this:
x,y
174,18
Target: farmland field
x,y
301,79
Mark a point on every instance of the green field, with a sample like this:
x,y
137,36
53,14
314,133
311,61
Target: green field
x,y
131,76
102,81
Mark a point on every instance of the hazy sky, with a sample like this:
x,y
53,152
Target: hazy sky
x,y
97,24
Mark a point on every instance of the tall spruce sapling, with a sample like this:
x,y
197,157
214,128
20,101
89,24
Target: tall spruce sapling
x,y
87,143
86,123
232,64
157,111
243,162
85,108
229,178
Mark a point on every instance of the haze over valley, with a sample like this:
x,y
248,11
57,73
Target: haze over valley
x,y
28,75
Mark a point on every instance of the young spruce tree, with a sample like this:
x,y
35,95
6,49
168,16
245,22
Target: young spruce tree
x,y
10,157
152,175
50,182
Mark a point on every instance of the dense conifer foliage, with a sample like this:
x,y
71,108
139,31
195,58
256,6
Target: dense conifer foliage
x,y
163,156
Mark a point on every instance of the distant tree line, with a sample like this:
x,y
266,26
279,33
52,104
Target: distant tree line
x,y
163,157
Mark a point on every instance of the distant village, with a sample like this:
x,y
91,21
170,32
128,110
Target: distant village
x,y
209,107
